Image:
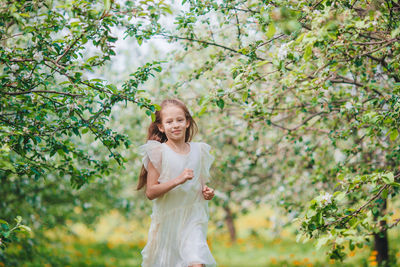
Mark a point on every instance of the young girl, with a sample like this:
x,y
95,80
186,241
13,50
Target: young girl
x,y
174,172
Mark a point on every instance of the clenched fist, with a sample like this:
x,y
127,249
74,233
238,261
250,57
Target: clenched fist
x,y
208,192
187,174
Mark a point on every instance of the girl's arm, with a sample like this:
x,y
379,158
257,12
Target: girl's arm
x,y
155,189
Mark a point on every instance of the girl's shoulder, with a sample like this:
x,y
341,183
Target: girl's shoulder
x,y
152,151
203,147
150,146
200,143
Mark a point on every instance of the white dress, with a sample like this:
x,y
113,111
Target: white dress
x,y
178,231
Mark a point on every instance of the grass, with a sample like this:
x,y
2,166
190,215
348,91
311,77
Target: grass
x,y
117,242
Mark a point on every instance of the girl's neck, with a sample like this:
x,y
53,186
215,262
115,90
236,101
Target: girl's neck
x,y
179,145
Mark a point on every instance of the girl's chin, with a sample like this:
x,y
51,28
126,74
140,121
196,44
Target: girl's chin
x,y
176,137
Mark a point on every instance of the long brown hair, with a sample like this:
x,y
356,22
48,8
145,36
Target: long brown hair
x,y
154,133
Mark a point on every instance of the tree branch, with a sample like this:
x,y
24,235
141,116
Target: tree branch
x,y
208,43
42,91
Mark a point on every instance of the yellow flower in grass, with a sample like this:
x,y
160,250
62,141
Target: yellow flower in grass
x,y
142,243
276,241
305,260
309,265
352,253
209,243
331,261
374,263
374,252
274,261
372,258
296,263
240,241
2,264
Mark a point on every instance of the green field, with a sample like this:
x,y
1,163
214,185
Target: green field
x,y
117,242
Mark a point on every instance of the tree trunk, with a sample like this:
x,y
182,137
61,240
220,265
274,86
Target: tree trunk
x,y
230,223
381,242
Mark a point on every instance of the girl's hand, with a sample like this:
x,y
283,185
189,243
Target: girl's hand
x,y
187,174
208,192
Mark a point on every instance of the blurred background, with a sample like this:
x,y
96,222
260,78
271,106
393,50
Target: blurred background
x,y
307,153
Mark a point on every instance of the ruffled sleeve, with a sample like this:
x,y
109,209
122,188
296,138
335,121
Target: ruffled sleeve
x,y
206,160
151,151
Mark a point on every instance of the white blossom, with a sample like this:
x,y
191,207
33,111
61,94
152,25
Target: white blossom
x,y
349,105
87,205
14,67
282,53
353,91
38,56
327,198
379,69
72,106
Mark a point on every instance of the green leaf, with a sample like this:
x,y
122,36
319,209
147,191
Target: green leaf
x,y
3,221
395,32
245,96
201,112
18,219
339,196
158,107
388,178
393,134
384,193
271,30
107,4
259,64
25,228
220,103
308,52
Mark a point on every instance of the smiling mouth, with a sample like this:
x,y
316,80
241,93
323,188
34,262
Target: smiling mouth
x,y
176,132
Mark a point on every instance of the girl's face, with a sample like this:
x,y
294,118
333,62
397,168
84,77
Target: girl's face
x,y
173,123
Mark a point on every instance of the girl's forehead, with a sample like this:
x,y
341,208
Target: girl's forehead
x,y
172,111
